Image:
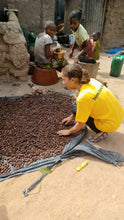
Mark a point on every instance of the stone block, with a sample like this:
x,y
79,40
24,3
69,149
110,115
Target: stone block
x,y
5,64
4,48
18,72
19,55
12,17
3,27
3,70
3,56
1,39
6,77
13,37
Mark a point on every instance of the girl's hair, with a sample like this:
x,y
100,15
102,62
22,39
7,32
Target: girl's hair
x,y
49,24
75,71
98,33
58,21
75,15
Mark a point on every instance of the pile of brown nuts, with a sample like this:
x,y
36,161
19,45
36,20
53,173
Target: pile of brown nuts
x,y
28,127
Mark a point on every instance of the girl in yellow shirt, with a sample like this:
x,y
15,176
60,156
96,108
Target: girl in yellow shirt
x,y
96,106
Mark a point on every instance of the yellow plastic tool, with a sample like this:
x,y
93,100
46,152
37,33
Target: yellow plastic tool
x,y
84,164
45,170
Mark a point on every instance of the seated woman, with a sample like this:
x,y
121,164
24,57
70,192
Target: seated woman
x,y
96,106
45,47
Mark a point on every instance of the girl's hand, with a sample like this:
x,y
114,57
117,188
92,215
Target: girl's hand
x,y
71,54
67,120
76,58
77,127
64,132
57,49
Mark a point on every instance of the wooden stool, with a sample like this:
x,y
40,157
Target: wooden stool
x,y
44,77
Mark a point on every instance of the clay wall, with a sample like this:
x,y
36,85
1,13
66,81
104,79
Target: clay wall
x,y
32,14
112,24
14,62
113,34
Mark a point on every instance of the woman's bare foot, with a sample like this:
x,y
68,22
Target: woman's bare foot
x,y
97,135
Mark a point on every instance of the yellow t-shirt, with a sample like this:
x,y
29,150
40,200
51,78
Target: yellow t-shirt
x,y
96,101
81,35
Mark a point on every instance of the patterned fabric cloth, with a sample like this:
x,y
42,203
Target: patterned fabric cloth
x,y
53,64
90,51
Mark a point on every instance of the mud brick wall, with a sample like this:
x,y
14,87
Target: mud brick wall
x,y
48,10
14,57
33,14
113,35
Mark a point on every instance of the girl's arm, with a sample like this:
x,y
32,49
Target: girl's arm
x,y
77,127
72,50
83,51
67,120
48,53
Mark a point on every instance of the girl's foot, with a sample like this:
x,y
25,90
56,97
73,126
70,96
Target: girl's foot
x,y
97,137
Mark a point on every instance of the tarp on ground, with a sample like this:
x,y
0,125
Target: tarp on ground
x,y
73,149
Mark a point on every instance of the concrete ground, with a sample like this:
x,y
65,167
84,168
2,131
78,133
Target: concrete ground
x,y
96,192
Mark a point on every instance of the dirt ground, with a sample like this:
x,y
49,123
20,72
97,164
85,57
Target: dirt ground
x,y
94,193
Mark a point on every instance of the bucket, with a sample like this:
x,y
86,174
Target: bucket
x,y
92,68
44,77
116,65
